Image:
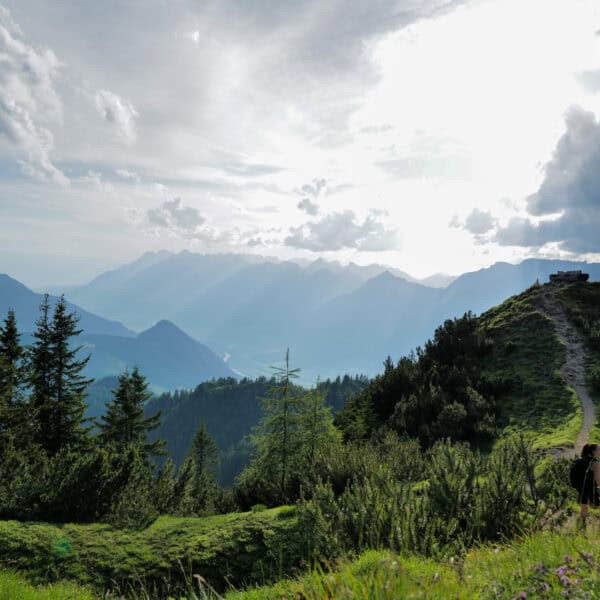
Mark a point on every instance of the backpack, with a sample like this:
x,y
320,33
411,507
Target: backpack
x,y
578,472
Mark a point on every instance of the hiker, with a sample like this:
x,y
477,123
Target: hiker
x,y
585,475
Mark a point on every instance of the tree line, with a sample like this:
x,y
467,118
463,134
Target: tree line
x,y
58,465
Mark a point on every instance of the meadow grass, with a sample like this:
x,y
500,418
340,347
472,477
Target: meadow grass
x,y
540,565
14,587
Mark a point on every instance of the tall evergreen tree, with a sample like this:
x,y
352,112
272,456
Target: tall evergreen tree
x,y
12,379
205,454
278,439
317,424
68,385
124,423
39,356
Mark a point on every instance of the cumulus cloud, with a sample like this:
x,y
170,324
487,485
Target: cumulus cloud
x,y
309,207
120,113
479,221
311,192
185,222
29,102
567,203
172,214
341,230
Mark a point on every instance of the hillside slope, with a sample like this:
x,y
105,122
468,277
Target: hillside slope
x,y
519,367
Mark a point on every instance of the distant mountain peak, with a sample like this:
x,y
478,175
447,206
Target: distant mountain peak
x,y
163,329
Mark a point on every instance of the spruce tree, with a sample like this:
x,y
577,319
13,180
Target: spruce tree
x,y
12,380
39,358
66,412
124,423
318,430
205,454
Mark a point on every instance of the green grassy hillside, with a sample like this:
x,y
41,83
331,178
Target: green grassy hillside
x,y
542,565
528,354
233,549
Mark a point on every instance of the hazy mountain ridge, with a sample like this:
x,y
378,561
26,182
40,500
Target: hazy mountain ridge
x,y
335,318
168,356
26,303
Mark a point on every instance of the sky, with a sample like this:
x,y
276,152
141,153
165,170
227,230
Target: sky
x,y
428,135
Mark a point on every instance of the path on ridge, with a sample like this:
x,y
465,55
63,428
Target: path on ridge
x,y
573,369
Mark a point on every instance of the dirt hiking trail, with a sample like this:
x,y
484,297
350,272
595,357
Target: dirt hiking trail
x,y
573,369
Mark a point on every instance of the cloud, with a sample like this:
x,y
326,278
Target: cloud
x,y
589,80
29,102
128,175
428,167
309,207
567,203
314,188
250,170
479,221
172,214
310,193
119,113
341,230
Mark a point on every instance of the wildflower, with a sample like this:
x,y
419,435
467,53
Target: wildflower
x,y
565,581
561,571
522,595
567,558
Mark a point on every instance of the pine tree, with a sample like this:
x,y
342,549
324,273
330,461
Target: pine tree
x,y
205,454
12,380
124,423
318,429
65,425
40,371
183,492
277,440
164,490
205,451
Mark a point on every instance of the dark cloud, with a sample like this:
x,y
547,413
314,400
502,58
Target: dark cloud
x,y
320,39
341,230
570,189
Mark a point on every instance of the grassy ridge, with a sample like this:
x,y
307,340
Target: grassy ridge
x,y
528,353
233,549
542,565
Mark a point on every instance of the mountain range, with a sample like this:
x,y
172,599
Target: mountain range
x,y
335,318
164,353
